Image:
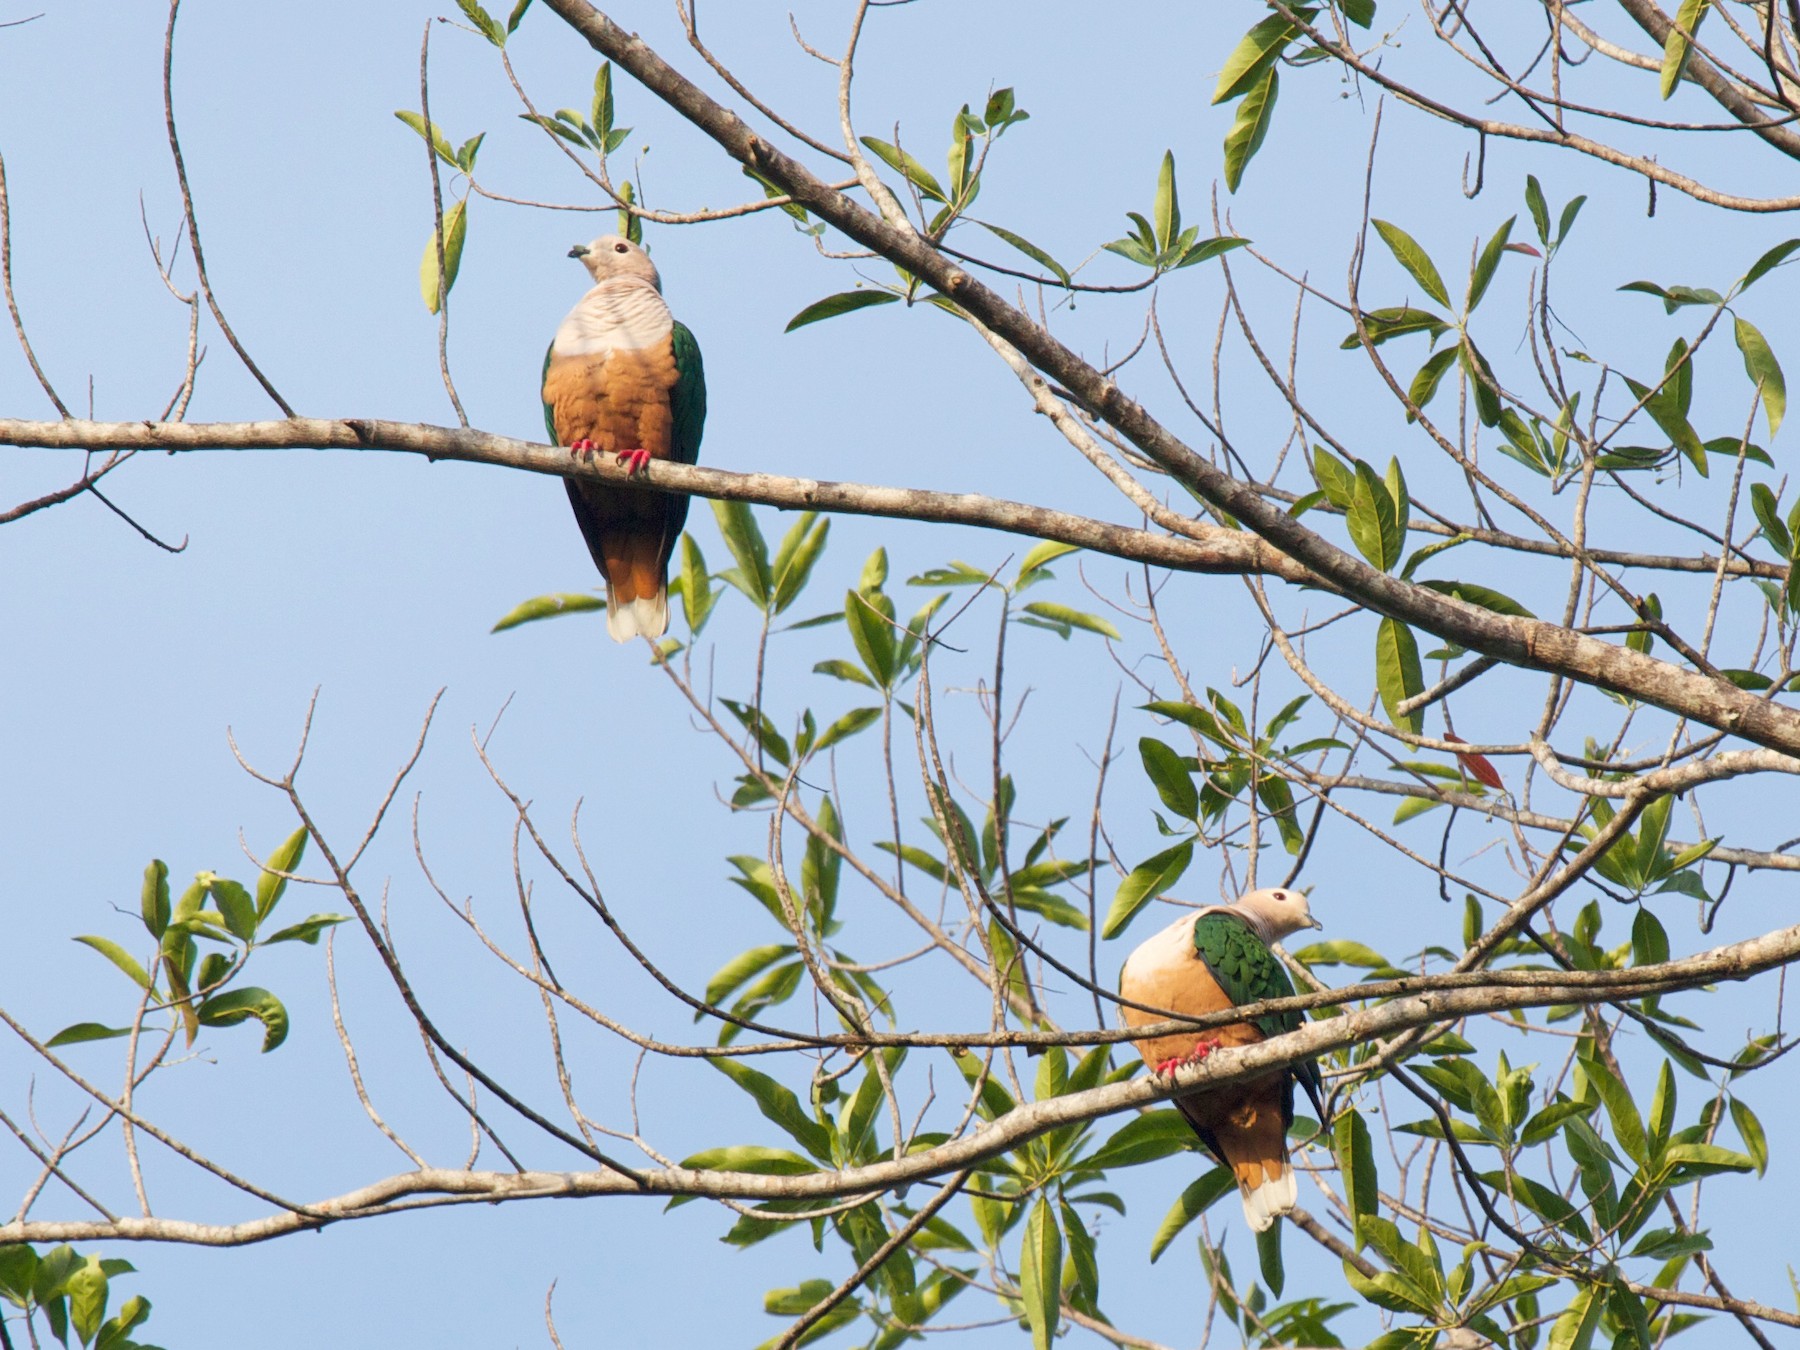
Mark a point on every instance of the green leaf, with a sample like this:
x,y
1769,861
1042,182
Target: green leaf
x,y
307,930
907,167
1255,54
846,726
794,560
780,1105
1145,1138
121,958
1061,617
1268,1256
1207,249
1673,423
1040,1274
1574,1330
1166,213
1194,1201
1767,263
518,13
1768,514
870,621
456,228
1679,44
547,607
84,1031
1397,321
1756,1143
438,141
1030,250
154,904
1411,255
1705,1159
1147,880
1567,220
1033,568
1336,480
1250,127
236,906
1171,777
228,1009
1540,210
1374,521
1484,596
743,537
697,593
1341,952
1489,260
1764,370
1425,384
844,302
286,857
1398,676
86,1288
1356,1160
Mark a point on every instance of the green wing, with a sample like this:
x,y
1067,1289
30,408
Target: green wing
x,y
687,400
549,413
1248,972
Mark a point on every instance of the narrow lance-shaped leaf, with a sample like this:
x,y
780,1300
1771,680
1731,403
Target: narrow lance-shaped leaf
x,y
1167,210
1040,1273
1250,127
1679,44
456,225
1412,256
845,302
1398,675
1764,371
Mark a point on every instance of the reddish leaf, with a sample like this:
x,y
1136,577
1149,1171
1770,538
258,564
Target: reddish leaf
x,y
1522,248
1477,767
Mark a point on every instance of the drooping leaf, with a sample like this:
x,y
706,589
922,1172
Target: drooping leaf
x,y
1764,371
844,302
1250,127
1398,675
456,228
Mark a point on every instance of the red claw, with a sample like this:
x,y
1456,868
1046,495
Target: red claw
x,y
582,448
1167,1068
634,461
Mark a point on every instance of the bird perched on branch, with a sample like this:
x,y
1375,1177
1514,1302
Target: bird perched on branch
x,y
1205,962
623,377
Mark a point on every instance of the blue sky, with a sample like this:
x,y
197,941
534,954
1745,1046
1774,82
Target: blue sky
x,y
374,579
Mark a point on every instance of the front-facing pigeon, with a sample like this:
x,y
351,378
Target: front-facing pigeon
x,y
1209,960
623,377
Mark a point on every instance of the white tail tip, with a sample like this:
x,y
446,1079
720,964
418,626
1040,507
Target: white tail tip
x,y
1268,1202
647,616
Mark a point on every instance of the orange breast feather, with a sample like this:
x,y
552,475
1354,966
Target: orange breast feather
x,y
617,399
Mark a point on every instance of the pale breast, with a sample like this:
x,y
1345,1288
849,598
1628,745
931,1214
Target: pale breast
x,y
624,314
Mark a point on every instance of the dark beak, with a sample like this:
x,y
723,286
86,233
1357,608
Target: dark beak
x,y
579,251
1314,923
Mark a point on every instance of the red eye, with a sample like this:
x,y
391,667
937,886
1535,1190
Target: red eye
x,y
621,248
1281,895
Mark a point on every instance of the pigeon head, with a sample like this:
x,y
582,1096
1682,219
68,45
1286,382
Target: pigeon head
x,y
612,258
1276,913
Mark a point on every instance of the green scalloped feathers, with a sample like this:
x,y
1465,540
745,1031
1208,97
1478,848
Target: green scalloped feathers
x,y
687,400
1248,972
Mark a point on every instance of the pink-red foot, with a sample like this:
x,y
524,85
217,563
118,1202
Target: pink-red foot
x,y
583,449
1167,1068
633,461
